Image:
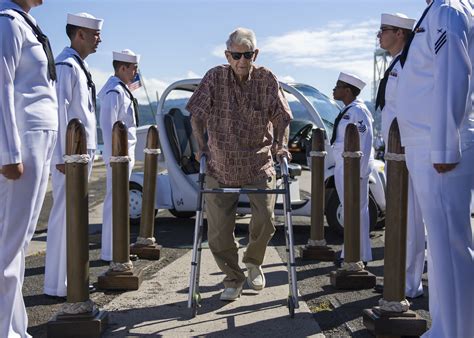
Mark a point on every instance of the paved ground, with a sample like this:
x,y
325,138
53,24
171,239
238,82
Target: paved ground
x,y
337,313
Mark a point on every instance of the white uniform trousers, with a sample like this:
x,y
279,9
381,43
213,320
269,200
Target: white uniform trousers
x,y
365,247
20,205
444,201
55,275
415,256
107,235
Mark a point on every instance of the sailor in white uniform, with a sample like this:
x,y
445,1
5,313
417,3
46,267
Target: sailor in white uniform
x,y
355,111
76,99
117,104
394,32
28,130
435,114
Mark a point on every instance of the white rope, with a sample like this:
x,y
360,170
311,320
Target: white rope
x,y
318,153
76,308
402,306
352,154
121,267
152,151
394,157
145,241
79,158
352,266
315,242
119,159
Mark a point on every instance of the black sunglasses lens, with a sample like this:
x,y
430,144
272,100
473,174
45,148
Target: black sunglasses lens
x,y
248,55
236,55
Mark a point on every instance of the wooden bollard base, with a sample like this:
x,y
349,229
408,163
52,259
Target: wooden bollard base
x,y
81,325
382,323
352,280
151,252
129,280
320,253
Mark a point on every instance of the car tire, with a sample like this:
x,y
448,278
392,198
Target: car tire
x,y
334,213
182,214
135,191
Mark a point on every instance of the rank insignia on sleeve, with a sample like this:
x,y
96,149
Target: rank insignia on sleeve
x,y
361,127
346,117
441,41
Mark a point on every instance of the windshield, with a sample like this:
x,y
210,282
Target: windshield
x,y
326,107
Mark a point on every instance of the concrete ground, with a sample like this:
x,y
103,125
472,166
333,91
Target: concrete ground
x,y
158,308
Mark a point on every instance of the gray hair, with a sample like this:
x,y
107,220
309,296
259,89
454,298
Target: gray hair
x,y
242,36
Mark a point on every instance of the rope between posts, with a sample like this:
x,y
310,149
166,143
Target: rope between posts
x,y
76,308
152,151
315,242
78,158
145,241
394,157
318,153
352,154
352,266
119,159
121,267
402,306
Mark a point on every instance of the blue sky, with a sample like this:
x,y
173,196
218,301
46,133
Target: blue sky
x,y
299,40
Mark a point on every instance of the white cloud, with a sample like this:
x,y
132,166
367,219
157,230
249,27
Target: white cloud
x,y
192,75
286,78
337,46
218,51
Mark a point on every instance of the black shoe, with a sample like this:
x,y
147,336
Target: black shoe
x,y
57,298
416,297
133,257
338,262
92,288
365,264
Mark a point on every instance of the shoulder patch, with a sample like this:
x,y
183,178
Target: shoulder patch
x,y
112,91
5,15
63,64
361,126
346,117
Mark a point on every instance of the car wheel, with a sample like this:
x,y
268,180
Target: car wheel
x,y
182,214
334,213
135,191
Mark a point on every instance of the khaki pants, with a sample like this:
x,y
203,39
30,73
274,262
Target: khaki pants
x,y
220,212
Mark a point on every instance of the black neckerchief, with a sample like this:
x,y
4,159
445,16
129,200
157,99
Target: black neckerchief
x,y
403,56
90,83
43,39
134,101
380,101
336,124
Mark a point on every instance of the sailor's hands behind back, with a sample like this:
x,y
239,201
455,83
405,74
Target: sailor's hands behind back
x,y
12,171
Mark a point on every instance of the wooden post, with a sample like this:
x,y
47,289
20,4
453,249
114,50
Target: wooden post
x,y
145,246
317,247
89,321
121,274
381,320
352,275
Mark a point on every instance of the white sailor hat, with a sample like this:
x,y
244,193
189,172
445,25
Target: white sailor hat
x,y
84,20
352,80
397,20
126,56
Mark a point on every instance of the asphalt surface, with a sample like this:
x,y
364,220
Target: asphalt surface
x,y
339,313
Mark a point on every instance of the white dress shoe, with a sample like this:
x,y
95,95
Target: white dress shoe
x,y
255,276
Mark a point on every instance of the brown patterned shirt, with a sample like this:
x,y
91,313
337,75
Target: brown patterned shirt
x,y
240,122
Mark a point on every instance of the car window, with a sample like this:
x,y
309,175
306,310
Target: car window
x,y
177,98
299,111
327,108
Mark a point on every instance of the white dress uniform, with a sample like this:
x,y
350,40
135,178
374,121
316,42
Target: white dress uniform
x,y
415,255
116,105
28,130
75,100
435,113
358,114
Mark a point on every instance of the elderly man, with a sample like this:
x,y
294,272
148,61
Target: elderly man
x,y
434,111
347,89
28,130
76,99
117,104
393,34
245,114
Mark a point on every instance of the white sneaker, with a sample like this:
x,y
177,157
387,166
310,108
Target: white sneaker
x,y
255,276
231,293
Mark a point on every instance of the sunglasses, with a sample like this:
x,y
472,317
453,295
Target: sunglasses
x,y
236,55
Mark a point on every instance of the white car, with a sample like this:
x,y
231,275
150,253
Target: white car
x,y
177,183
